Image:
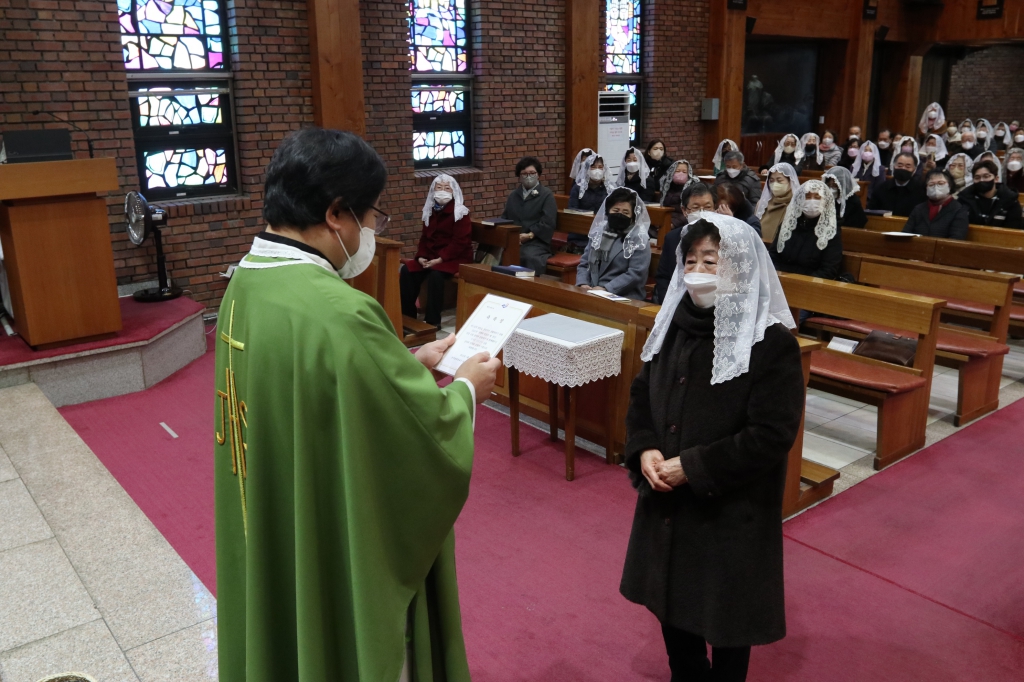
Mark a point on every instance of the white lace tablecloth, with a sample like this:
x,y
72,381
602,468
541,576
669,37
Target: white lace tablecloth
x,y
564,351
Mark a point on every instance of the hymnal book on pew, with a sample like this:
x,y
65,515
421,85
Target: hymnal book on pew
x,y
514,270
576,211
607,294
491,222
486,331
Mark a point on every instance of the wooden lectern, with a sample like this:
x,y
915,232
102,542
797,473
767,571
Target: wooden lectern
x,y
57,250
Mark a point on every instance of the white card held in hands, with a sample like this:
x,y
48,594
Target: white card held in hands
x,y
486,331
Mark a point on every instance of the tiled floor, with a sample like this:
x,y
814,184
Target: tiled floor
x,y
88,584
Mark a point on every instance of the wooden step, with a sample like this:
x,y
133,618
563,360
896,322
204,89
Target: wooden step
x,y
817,475
417,332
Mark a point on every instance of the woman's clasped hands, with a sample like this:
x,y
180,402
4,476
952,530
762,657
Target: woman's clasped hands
x,y
663,474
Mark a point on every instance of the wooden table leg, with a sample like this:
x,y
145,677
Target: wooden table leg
x,y
610,424
513,407
553,411
571,396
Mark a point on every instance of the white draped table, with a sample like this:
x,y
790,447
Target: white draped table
x,y
565,352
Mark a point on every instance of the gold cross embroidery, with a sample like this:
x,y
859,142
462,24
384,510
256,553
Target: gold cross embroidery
x,y
236,410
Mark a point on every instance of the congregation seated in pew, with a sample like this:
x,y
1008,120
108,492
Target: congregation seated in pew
x,y
736,171
989,202
589,190
532,207
674,182
831,153
718,160
959,167
617,258
778,191
1013,170
809,241
941,215
659,162
901,193
733,202
789,151
844,188
868,167
813,159
445,244
696,198
633,174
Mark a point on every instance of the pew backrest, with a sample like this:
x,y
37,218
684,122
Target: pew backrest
x,y
981,234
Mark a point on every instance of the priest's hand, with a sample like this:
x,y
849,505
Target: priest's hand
x,y
670,471
482,371
430,353
650,460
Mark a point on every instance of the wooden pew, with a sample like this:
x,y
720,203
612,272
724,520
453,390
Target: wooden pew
x,y
981,234
380,280
900,393
660,215
505,237
978,357
550,296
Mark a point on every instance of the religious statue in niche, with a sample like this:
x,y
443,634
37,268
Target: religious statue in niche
x,y
757,103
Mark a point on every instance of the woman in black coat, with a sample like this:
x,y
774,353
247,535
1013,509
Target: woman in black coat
x,y
710,424
844,188
808,241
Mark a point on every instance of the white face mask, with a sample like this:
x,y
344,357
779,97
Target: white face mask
x,y
827,142
1014,166
932,115
596,174
732,172
930,149
982,134
442,197
968,145
702,287
779,188
656,154
812,208
693,217
855,137
882,144
633,166
788,148
1018,138
361,259
938,192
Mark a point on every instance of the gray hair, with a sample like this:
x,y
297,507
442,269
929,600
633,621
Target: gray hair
x,y
733,156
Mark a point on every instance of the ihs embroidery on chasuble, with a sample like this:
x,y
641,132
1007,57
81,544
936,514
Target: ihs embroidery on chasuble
x,y
232,415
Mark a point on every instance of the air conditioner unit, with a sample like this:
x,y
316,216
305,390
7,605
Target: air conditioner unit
x,y
612,129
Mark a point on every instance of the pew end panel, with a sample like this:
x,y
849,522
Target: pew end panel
x,y
505,237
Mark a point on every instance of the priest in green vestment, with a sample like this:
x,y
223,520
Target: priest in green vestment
x,y
340,465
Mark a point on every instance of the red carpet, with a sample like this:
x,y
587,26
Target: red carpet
x,y
915,574
139,322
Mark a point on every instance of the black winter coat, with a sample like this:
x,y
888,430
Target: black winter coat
x,y
854,215
900,200
747,180
707,557
1004,211
950,223
801,255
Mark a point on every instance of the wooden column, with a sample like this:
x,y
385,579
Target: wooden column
x,y
860,50
582,69
899,101
727,47
336,64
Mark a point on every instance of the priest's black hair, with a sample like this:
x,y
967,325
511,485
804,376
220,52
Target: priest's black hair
x,y
312,169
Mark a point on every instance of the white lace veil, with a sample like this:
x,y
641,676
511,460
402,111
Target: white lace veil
x,y
825,230
817,149
766,193
898,149
1003,170
575,170
1007,138
968,122
428,206
666,179
644,168
847,185
876,162
583,175
968,166
940,146
925,126
798,153
716,160
749,298
983,124
635,240
994,158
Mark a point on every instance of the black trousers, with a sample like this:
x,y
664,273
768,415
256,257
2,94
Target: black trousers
x,y
688,658
410,283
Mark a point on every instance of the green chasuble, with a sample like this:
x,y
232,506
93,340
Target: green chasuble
x,y
340,470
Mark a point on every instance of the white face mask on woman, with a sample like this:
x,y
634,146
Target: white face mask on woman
x,y
938,192
596,174
1014,166
812,208
779,188
442,197
702,287
1019,139
361,259
632,166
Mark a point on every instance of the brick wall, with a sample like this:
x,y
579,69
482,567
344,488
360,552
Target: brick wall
x,y
675,43
64,57
986,84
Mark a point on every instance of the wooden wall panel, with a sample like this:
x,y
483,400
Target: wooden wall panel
x,y
726,51
583,56
801,18
336,65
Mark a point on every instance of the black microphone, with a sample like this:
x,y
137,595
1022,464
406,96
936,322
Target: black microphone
x,y
88,140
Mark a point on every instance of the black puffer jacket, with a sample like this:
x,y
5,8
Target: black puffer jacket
x,y
1003,210
707,557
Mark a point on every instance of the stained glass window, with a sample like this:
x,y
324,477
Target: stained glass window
x,y
437,36
634,104
439,146
446,100
622,36
179,106
173,168
171,35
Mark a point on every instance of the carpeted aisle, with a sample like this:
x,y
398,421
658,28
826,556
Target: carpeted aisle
x,y
915,574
